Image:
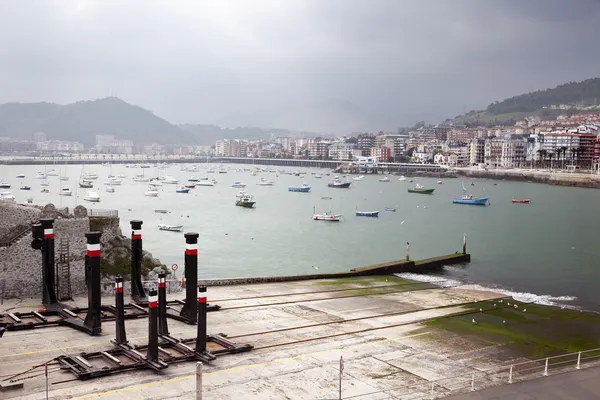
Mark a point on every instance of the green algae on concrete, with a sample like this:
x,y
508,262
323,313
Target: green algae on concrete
x,y
532,330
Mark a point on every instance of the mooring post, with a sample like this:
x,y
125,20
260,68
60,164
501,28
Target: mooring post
x,y
121,337
189,309
201,335
152,353
93,319
407,251
546,368
198,380
138,294
578,361
48,274
464,243
163,328
510,374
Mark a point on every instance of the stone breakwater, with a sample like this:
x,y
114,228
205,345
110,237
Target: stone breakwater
x,y
560,179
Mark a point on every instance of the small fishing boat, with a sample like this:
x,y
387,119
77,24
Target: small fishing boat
x,y
182,190
326,216
359,178
44,190
472,183
64,178
92,197
171,228
246,201
170,180
25,187
190,185
237,184
141,178
367,213
206,183
469,199
521,201
4,185
326,198
439,182
40,175
402,178
151,192
113,181
194,179
420,189
303,189
339,184
6,196
21,176
155,183
161,211
384,179
392,209
317,176
65,191
265,182
110,188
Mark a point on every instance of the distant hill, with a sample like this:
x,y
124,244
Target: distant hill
x,y
584,92
83,120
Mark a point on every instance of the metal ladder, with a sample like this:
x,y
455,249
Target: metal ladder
x,y
63,272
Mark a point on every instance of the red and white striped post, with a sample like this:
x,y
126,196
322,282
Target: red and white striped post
x,y
201,335
163,328
152,353
48,274
137,288
121,337
189,309
93,319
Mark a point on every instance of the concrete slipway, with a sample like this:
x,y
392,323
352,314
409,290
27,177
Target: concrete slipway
x,y
380,362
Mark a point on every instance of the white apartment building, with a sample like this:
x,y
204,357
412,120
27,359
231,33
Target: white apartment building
x,y
341,151
514,150
231,148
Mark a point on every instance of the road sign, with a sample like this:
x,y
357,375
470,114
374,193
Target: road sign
x,y
174,267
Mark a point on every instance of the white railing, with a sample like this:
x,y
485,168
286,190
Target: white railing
x,y
496,376
93,212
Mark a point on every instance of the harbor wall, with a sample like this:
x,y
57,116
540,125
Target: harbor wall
x,y
575,180
388,268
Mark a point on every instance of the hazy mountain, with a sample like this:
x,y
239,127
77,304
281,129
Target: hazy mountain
x,y
207,135
83,120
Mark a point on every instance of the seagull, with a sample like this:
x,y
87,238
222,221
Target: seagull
x,y
524,310
315,267
516,306
508,303
401,222
481,310
424,206
494,304
500,301
474,322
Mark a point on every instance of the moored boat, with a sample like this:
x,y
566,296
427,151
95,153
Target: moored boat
x,y
92,197
303,189
172,228
182,190
65,191
392,209
420,189
367,213
7,196
4,185
384,179
246,201
189,185
469,199
327,216
337,183
110,188
358,178
25,187
161,211
151,192
265,182
439,182
521,201
237,184
402,178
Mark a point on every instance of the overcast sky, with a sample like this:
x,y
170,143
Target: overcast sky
x,y
257,62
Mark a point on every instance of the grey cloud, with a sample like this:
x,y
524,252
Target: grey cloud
x,y
263,62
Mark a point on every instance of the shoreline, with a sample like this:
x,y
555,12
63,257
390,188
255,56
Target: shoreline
x,y
589,181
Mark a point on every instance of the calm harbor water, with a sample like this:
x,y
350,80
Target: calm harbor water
x,y
546,251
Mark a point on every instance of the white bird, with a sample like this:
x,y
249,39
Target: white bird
x,y
401,222
516,306
494,304
500,301
315,267
481,310
417,206
504,322
424,206
474,322
524,310
508,303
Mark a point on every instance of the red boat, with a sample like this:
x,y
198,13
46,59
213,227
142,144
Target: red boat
x,y
190,186
524,201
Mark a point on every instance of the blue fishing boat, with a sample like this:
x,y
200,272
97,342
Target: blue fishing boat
x,y
182,190
303,189
367,213
469,199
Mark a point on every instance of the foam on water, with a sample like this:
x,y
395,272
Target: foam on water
x,y
542,299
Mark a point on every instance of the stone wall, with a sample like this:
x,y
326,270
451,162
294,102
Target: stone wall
x,y
15,215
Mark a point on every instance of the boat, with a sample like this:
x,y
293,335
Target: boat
x,y
51,173
90,176
4,185
64,178
337,183
264,182
140,178
21,176
439,182
7,196
40,175
92,197
384,179
402,178
206,183
194,179
326,198
327,216
222,171
420,189
317,176
44,190
367,213
469,199
521,201
472,183
359,178
151,192
182,190
121,176
155,183
238,185
65,191
86,184
161,211
189,185
25,187
113,182
245,201
170,180
171,228
110,188
302,189
392,209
